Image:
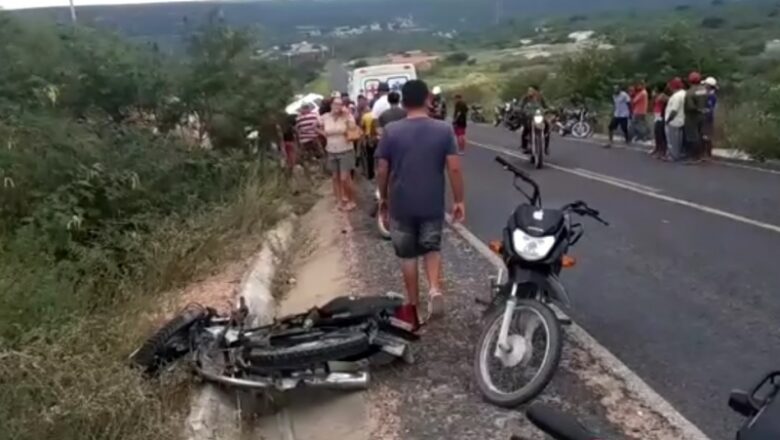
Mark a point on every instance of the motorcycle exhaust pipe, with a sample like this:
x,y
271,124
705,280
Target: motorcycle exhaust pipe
x,y
333,381
340,381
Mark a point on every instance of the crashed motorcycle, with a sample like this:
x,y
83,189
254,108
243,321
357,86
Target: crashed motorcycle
x,y
520,345
759,405
326,347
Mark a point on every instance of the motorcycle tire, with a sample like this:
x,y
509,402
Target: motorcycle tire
x,y
537,154
158,351
581,130
545,374
329,348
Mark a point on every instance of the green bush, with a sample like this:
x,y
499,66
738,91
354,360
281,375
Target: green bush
x,y
103,210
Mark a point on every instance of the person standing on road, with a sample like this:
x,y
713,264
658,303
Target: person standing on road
x,y
394,113
639,106
709,121
340,153
695,115
413,155
306,125
675,120
621,113
380,104
460,117
660,98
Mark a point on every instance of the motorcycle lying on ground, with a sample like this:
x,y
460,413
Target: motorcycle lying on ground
x,y
476,114
576,122
327,347
759,405
538,138
521,338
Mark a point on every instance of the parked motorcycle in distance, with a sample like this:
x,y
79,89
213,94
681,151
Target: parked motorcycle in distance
x,y
759,405
522,335
476,114
509,116
577,122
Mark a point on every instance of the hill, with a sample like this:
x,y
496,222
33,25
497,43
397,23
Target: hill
x,y
278,18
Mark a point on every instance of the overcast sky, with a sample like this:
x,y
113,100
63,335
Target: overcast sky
x,y
20,4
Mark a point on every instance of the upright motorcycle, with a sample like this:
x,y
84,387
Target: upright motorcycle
x,y
538,137
520,346
509,115
576,122
476,114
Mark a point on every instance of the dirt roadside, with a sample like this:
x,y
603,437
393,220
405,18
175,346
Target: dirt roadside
x,y
436,397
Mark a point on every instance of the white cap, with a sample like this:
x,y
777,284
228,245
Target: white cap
x,y
710,81
437,90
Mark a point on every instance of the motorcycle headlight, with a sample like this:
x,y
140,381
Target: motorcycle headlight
x,y
539,120
531,248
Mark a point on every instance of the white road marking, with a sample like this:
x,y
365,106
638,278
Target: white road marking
x,y
637,188
615,179
616,368
640,149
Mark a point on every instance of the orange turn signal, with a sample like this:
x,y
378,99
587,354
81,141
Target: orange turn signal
x,y
496,246
568,261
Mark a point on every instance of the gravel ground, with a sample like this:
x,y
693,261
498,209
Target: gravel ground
x,y
436,397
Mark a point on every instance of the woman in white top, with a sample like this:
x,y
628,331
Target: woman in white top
x,y
341,153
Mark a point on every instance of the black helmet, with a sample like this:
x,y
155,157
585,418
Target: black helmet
x,y
383,87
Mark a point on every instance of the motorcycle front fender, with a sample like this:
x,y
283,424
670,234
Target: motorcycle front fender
x,y
549,283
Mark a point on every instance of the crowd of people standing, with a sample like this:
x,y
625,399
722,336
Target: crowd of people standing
x,y
683,117
404,136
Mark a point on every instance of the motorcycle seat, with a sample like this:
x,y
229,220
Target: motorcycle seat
x,y
360,306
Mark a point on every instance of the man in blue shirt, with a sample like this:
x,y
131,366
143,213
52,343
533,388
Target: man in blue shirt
x,y
413,155
621,114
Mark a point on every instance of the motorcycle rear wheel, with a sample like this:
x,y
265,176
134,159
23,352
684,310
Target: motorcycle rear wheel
x,y
544,374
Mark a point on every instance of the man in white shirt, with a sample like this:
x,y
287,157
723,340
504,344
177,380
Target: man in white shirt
x,y
381,104
675,119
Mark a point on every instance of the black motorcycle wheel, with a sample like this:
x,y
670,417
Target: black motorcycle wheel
x,y
329,347
581,129
168,343
546,370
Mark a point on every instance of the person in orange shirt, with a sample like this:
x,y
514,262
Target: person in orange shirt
x,y
640,104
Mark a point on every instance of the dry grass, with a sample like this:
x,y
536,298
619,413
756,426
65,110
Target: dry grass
x,y
74,383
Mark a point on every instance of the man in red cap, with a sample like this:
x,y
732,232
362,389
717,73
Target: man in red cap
x,y
695,114
675,119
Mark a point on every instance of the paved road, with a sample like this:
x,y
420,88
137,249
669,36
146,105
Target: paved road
x,y
683,287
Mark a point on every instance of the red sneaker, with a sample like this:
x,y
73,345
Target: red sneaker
x,y
406,318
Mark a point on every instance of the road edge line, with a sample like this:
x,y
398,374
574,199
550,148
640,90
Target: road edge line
x,y
633,382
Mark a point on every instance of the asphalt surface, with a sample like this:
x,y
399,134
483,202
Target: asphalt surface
x,y
686,298
682,288
436,397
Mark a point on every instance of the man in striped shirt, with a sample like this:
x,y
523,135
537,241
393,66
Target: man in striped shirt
x,y
307,125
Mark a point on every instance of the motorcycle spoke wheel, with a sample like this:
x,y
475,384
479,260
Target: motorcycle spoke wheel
x,y
514,384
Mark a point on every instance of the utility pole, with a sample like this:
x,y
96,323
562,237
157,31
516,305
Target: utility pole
x,y
499,11
72,12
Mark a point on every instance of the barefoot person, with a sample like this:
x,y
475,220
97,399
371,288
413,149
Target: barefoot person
x,y
413,155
